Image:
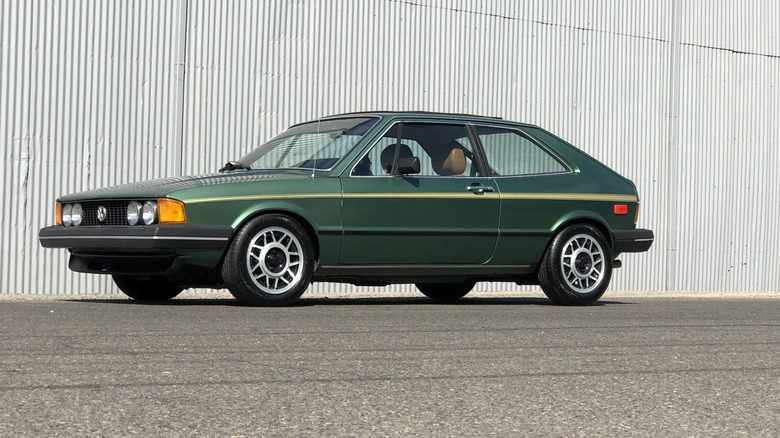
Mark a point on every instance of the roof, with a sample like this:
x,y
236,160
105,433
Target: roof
x,y
426,113
384,113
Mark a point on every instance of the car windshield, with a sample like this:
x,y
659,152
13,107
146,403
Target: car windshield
x,y
314,145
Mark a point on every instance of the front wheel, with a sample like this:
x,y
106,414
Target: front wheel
x,y
446,292
270,262
146,287
577,266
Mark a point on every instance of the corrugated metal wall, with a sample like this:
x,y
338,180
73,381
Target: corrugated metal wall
x,y
88,94
681,97
727,158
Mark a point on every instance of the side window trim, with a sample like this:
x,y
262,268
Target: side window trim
x,y
532,139
368,151
482,161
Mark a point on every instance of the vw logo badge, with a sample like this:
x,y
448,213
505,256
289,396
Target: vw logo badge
x,y
102,213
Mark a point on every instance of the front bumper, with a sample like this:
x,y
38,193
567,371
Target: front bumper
x,y
154,237
637,240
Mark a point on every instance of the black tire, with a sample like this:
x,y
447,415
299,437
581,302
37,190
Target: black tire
x,y
280,255
446,292
147,287
577,267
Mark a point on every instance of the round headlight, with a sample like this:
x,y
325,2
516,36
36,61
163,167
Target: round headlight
x,y
133,213
66,212
149,212
76,214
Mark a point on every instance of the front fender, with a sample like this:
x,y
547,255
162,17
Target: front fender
x,y
321,217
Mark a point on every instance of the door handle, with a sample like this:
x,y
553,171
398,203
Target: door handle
x,y
479,188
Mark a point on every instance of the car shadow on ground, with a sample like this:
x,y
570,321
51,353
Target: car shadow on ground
x,y
422,301
342,301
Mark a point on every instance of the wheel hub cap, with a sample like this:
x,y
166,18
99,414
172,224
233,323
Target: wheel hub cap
x,y
583,263
275,260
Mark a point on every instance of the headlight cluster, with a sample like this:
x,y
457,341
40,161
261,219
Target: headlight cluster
x,y
146,214
72,214
159,211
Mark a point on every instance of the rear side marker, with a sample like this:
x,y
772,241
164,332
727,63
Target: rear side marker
x,y
621,209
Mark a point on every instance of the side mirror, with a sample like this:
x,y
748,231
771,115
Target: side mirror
x,y
407,166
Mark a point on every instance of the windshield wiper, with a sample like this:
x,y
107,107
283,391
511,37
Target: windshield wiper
x,y
234,165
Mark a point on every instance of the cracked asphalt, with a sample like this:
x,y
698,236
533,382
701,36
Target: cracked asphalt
x,y
391,366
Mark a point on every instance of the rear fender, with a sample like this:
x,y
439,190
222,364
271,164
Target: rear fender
x,y
588,217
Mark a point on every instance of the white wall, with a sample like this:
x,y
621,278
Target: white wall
x,y
680,96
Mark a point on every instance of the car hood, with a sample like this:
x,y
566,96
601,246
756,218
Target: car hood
x,y
164,187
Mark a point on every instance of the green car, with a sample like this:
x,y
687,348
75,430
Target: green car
x,y
438,200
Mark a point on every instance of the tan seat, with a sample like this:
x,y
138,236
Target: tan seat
x,y
450,162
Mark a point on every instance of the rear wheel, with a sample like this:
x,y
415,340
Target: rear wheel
x,y
446,292
577,267
147,287
270,262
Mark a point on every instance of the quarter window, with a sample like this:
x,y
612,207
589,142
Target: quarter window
x,y
512,153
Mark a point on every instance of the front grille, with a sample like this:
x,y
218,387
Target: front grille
x,y
117,213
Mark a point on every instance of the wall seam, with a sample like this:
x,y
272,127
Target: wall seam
x,y
180,71
672,146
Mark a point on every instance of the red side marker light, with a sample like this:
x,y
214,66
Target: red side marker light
x,y
621,209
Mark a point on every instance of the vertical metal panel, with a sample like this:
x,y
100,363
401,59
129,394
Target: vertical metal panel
x,y
101,93
87,101
728,151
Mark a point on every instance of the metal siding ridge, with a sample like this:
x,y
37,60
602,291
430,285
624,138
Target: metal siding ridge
x,y
180,71
672,149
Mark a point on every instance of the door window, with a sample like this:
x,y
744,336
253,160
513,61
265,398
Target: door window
x,y
443,150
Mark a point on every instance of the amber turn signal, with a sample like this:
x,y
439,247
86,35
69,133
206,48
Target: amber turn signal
x,y
171,211
58,214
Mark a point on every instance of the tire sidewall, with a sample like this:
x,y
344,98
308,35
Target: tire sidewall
x,y
563,293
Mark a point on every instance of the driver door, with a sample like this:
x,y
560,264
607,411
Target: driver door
x,y
445,215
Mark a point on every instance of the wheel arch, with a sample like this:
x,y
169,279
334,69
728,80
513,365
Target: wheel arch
x,y
585,217
302,219
579,217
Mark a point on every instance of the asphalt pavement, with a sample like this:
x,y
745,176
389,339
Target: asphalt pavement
x,y
395,366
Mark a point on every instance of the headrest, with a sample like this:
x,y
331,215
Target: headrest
x,y
450,160
388,153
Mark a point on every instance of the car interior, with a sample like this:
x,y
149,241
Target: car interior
x,y
443,150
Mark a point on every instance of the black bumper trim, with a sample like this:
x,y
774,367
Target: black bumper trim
x,y
145,264
638,240
138,237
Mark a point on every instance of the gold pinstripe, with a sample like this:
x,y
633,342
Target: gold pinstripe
x,y
571,197
447,195
468,195
265,197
